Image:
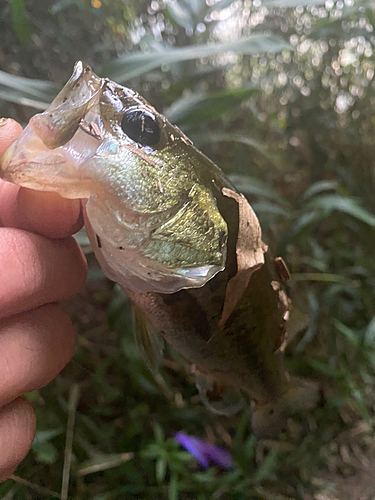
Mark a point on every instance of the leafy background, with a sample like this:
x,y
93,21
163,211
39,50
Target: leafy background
x,y
280,93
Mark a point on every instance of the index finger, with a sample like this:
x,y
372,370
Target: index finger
x,y
47,214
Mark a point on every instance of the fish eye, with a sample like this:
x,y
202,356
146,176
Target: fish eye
x,y
142,126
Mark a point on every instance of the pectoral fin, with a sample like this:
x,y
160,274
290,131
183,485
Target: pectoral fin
x,y
149,341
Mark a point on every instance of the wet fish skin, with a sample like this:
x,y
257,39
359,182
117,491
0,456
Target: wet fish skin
x,y
162,227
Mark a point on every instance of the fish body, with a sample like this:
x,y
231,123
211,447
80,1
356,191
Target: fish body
x,y
171,229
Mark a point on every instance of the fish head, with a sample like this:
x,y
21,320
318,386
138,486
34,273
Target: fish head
x,y
152,214
41,158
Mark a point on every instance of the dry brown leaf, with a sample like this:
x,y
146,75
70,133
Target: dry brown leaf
x,y
282,270
250,251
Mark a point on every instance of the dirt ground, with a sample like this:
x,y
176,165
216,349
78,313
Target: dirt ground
x,y
358,486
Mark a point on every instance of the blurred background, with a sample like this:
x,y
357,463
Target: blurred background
x,y
279,93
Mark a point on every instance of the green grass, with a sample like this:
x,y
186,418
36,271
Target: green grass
x,y
105,425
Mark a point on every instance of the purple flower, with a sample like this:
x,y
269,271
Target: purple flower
x,y
205,452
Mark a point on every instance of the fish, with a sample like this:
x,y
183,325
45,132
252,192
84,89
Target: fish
x,y
170,228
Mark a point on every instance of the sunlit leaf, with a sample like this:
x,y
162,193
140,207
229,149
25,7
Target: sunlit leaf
x,y
291,3
324,368
159,434
369,336
197,6
201,108
190,81
250,185
319,187
9,95
348,333
47,435
173,487
265,207
330,203
267,466
63,4
27,91
161,469
181,15
35,88
103,462
325,277
20,21
311,330
133,65
330,25
46,452
304,222
246,141
220,5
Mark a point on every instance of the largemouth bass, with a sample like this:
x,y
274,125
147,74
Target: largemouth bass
x,y
169,227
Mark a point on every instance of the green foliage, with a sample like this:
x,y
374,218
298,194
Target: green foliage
x,y
133,65
294,130
20,22
291,3
26,91
200,107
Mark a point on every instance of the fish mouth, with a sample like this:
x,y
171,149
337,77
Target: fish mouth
x,y
50,152
29,163
18,163
56,126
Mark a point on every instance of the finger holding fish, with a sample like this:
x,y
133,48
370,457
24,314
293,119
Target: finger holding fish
x,y
36,338
40,212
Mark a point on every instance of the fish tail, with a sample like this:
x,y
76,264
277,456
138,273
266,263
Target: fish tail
x,y
269,420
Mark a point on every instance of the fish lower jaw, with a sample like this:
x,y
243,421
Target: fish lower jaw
x,y
66,190
13,172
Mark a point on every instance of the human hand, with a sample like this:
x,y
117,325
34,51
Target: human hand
x,y
40,265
